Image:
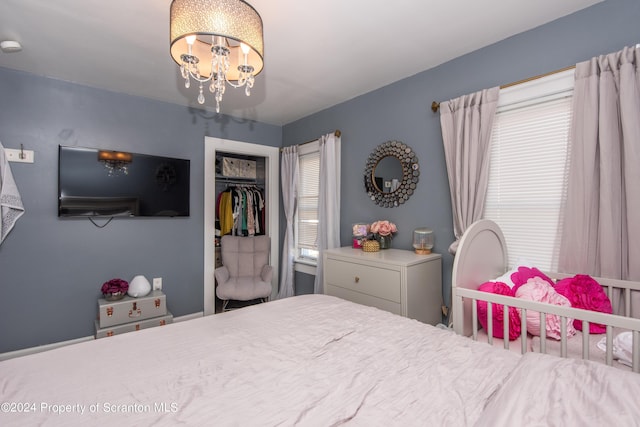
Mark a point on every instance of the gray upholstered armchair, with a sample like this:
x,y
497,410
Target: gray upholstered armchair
x,y
245,273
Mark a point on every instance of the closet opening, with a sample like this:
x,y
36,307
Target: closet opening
x,y
241,198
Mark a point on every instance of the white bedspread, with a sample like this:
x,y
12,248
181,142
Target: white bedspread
x,y
574,348
550,391
310,361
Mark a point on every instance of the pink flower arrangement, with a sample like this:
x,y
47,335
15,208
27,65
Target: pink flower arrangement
x,y
115,286
383,228
360,229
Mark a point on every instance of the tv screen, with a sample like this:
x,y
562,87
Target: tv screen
x,y
107,183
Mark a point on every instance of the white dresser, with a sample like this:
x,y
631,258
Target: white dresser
x,y
394,280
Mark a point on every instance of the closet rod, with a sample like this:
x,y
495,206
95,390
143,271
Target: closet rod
x,y
336,133
435,105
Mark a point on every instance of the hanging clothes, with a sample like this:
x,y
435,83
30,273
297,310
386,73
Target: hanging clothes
x,y
241,211
225,213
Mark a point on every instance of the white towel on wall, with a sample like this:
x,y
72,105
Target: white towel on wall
x,y
11,207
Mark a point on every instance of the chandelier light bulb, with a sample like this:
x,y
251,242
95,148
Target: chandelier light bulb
x,y
190,39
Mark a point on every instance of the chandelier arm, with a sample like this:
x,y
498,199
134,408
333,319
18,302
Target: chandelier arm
x,y
200,79
241,82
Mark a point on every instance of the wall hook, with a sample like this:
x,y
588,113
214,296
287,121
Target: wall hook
x,y
19,155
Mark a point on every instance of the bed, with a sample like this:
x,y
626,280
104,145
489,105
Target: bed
x,y
481,260
311,360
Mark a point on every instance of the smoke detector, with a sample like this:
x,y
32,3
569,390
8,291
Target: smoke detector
x,y
9,46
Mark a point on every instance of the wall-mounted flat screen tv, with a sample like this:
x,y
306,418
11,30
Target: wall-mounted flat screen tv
x,y
107,183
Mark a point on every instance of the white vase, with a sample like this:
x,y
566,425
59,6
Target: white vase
x,y
139,287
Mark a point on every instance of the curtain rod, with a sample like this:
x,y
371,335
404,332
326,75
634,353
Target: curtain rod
x,y
336,133
436,105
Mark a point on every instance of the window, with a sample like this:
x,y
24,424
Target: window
x,y
529,165
307,212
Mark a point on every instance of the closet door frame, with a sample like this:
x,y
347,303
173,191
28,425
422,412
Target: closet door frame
x,y
272,185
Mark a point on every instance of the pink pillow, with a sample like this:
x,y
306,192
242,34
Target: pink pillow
x,y
537,289
497,312
584,292
523,274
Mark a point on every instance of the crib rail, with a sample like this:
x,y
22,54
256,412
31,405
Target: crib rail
x,y
586,316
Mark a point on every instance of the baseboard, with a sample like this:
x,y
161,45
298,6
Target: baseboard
x,y
188,317
41,348
38,349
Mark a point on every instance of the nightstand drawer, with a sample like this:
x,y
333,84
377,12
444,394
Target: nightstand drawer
x,y
133,326
374,281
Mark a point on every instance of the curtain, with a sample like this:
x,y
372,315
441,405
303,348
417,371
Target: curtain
x,y
601,234
289,182
466,133
328,202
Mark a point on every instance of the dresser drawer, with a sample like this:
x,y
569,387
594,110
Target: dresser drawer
x,y
364,299
129,309
395,280
133,326
374,281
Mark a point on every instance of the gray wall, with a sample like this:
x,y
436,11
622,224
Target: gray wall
x,y
401,111
51,269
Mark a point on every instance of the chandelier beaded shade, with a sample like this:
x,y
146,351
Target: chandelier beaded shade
x,y
216,42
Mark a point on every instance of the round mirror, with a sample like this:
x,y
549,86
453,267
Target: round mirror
x,y
387,175
391,174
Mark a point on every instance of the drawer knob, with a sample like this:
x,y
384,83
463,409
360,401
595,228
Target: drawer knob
x,y
357,279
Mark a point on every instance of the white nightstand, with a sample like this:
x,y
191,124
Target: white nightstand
x,y
394,280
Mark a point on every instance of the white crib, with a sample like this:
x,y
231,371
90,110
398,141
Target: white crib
x,y
482,256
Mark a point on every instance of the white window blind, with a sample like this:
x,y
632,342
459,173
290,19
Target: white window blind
x,y
307,213
528,168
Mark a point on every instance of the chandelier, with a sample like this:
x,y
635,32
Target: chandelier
x,y
216,42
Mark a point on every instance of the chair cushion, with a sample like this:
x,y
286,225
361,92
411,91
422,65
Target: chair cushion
x,y
245,256
243,289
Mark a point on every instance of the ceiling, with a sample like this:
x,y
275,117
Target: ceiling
x,y
317,53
